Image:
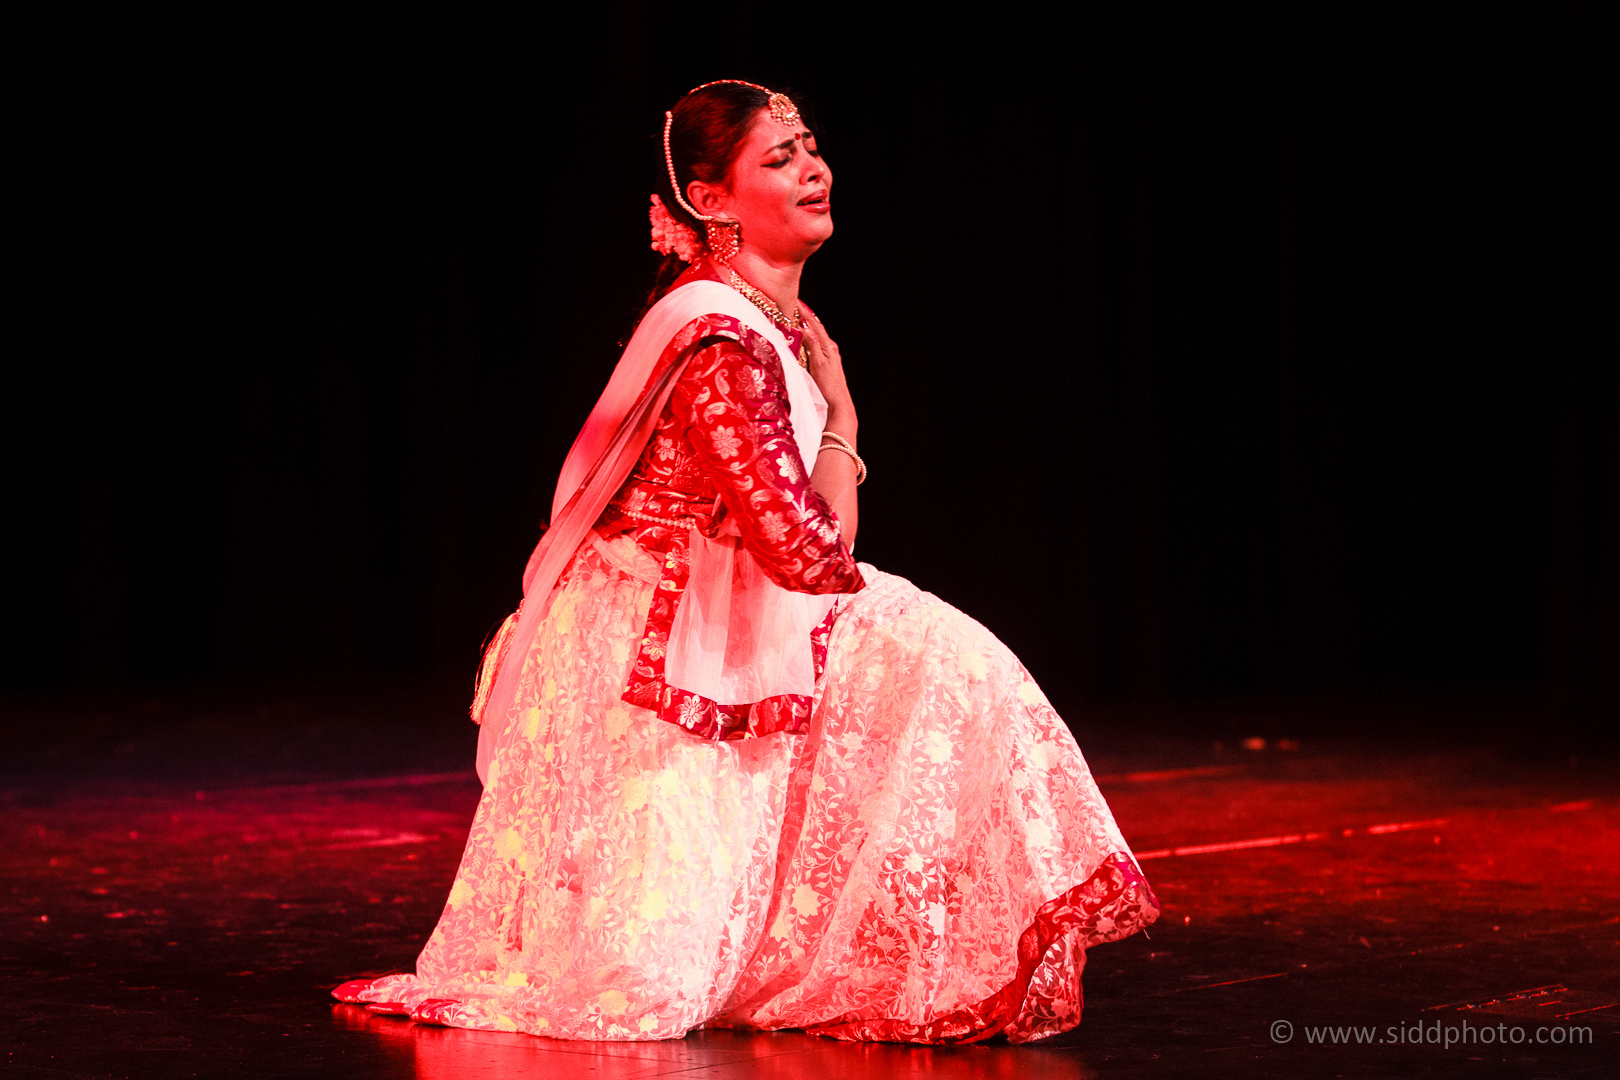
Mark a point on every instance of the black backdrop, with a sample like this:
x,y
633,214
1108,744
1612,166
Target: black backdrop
x,y
1199,351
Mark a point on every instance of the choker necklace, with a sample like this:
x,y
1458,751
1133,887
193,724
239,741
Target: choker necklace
x,y
776,314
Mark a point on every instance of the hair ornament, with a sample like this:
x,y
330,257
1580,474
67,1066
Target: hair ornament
x,y
781,107
670,236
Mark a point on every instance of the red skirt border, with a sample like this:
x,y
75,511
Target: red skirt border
x,y
1115,902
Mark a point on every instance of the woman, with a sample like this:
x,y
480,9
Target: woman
x,y
732,777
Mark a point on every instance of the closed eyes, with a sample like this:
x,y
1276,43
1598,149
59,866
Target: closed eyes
x,y
791,149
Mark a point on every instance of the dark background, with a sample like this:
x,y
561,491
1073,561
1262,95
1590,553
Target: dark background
x,y
1203,353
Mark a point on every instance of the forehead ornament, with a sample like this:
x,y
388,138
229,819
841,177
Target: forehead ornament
x,y
781,107
783,111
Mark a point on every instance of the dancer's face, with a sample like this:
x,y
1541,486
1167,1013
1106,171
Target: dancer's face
x,y
779,188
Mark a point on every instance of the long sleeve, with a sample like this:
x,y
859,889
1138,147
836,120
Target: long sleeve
x,y
735,408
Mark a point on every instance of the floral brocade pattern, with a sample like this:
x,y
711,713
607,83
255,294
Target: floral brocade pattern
x,y
929,862
724,449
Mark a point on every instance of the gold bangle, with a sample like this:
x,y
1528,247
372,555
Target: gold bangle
x,y
843,447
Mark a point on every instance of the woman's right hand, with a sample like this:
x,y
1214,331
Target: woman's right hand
x,y
833,472
827,369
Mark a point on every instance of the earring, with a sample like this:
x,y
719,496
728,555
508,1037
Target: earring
x,y
725,238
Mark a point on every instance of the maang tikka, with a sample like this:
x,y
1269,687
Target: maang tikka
x,y
724,235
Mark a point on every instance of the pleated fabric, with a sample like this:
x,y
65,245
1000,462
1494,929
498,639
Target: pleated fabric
x,y
929,863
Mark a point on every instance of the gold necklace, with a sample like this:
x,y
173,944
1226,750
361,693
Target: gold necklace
x,y
776,314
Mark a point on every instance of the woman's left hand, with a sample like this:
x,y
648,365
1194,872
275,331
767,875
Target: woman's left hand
x,y
827,368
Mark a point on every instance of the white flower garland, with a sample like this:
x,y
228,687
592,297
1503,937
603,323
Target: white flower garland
x,y
669,235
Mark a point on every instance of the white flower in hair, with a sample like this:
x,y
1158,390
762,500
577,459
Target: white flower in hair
x,y
669,235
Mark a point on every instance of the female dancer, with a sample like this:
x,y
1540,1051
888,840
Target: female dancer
x,y
731,777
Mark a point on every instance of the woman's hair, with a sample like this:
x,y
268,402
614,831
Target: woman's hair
x,y
705,138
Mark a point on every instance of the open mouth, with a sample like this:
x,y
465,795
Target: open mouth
x,y
816,199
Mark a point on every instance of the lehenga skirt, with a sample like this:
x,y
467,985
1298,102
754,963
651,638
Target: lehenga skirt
x,y
929,863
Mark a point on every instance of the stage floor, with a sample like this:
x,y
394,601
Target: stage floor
x,y
165,928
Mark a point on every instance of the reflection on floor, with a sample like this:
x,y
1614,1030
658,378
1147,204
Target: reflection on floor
x,y
155,929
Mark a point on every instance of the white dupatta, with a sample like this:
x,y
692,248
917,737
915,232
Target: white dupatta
x,y
738,637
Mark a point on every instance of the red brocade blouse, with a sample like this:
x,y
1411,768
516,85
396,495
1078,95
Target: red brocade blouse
x,y
724,448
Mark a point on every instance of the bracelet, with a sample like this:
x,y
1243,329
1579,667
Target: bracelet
x,y
840,440
841,443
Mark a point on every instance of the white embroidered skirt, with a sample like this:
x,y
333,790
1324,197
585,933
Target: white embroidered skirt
x,y
929,863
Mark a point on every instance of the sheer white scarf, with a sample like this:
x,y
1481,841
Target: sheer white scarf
x,y
738,637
